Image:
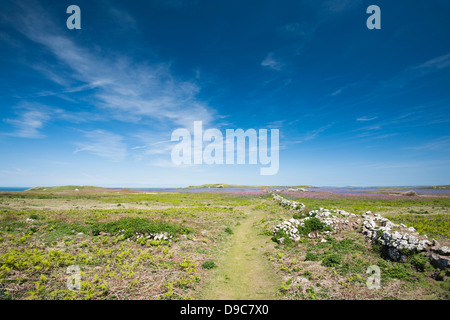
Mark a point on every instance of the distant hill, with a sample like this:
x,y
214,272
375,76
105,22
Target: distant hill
x,y
437,187
63,188
224,185
217,185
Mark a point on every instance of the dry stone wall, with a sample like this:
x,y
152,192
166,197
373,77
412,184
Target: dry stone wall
x,y
397,240
337,220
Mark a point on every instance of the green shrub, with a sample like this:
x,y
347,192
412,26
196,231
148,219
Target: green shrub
x,y
331,260
282,234
297,215
313,224
347,246
137,225
435,225
310,256
33,230
228,230
400,271
418,261
209,264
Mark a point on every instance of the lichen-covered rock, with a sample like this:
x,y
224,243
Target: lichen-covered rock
x,y
439,261
338,220
445,251
396,239
405,239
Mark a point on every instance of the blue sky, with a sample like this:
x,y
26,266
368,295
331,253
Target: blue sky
x,y
97,106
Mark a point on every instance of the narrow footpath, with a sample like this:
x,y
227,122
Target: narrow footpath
x,y
243,272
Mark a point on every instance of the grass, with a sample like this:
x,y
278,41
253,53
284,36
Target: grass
x,y
220,247
132,226
38,245
363,204
243,272
336,268
228,230
436,225
209,264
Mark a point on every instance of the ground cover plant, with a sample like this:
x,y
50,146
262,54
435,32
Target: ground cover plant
x,y
334,266
117,258
110,244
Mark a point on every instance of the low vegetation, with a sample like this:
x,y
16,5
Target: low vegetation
x,y
335,266
116,256
100,244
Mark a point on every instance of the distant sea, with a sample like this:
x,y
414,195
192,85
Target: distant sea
x,y
351,190
14,188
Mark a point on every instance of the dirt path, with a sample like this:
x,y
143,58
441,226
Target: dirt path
x,y
243,271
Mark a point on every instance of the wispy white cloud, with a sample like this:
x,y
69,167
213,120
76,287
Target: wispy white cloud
x,y
104,144
339,6
417,71
405,164
335,93
122,19
276,124
272,63
10,41
310,135
370,128
439,144
177,4
28,123
15,172
433,64
365,118
128,91
296,29
151,143
369,136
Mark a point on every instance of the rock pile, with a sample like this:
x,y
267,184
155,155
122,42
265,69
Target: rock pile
x,y
338,220
398,240
290,228
287,203
148,236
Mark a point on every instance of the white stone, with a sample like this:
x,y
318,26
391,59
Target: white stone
x,y
444,251
413,240
396,235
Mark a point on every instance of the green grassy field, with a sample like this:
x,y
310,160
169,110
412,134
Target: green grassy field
x,y
213,239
